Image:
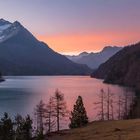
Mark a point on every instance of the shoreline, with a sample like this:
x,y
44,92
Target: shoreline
x,y
2,80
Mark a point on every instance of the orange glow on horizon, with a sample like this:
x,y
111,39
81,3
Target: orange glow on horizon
x,y
76,43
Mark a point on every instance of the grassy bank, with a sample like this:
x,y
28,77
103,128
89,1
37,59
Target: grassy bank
x,y
108,130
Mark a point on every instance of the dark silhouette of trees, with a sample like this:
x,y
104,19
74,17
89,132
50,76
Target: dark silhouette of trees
x,y
28,127
18,129
120,106
46,114
126,104
109,105
78,115
6,128
23,128
49,115
112,106
105,105
112,109
40,111
59,106
129,104
100,105
135,107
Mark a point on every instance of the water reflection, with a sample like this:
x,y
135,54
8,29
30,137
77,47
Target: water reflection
x,y
20,94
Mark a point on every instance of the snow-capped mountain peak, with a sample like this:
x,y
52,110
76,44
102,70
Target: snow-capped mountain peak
x,y
2,21
8,29
3,27
4,24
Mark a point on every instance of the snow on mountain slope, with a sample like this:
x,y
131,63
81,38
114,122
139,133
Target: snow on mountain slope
x,y
21,53
7,29
4,27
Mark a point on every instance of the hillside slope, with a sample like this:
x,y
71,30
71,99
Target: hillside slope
x,y
22,54
123,68
108,130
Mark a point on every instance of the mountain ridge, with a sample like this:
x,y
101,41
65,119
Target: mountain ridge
x,y
93,60
122,68
22,54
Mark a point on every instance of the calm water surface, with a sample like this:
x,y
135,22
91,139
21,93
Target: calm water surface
x,y
20,94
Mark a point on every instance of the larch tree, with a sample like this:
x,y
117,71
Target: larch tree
x,y
120,110
100,105
40,111
109,104
49,115
59,106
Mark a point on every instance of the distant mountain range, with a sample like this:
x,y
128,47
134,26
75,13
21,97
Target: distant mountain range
x,y
123,68
22,54
94,60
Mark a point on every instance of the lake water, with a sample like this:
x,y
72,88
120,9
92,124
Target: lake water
x,y
20,94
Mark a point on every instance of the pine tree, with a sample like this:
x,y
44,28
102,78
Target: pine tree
x,y
78,115
18,125
6,128
23,128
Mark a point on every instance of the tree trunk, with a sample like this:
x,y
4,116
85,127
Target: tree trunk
x,y
57,115
102,102
108,104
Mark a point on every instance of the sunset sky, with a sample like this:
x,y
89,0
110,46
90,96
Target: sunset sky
x,y
73,26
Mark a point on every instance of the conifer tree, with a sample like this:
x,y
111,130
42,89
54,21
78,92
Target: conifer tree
x,y
23,128
100,105
40,116
49,115
6,128
28,127
78,115
60,109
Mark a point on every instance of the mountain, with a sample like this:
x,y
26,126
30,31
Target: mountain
x,y
93,60
123,68
76,58
22,54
